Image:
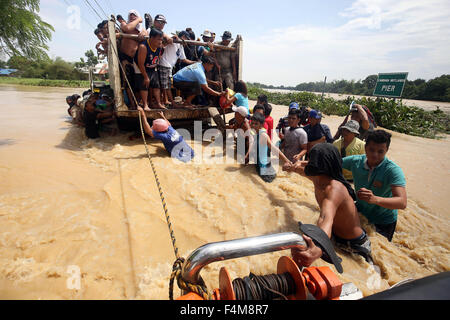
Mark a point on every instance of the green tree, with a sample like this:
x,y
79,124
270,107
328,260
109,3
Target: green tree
x,y
22,31
92,60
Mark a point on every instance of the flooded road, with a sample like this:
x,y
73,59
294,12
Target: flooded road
x,y
72,206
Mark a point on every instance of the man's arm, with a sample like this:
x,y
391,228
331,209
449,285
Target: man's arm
x,y
161,114
148,130
328,210
187,61
274,147
338,132
397,201
302,153
142,53
128,27
210,91
365,119
313,143
212,82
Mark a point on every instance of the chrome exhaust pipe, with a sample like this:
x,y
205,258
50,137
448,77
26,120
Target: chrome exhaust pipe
x,y
238,248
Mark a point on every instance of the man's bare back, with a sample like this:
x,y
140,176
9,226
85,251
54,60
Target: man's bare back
x,y
335,203
335,197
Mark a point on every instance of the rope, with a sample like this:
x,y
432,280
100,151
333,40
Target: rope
x,y
201,288
267,287
177,267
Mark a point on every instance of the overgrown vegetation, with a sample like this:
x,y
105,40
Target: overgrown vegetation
x,y
437,89
48,69
389,114
22,31
45,82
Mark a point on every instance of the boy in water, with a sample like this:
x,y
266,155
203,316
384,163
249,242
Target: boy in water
x,y
261,144
338,214
172,140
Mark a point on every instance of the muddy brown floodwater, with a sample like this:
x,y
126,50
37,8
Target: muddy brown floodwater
x,y
70,205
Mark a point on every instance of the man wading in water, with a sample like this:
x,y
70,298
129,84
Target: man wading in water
x,y
338,215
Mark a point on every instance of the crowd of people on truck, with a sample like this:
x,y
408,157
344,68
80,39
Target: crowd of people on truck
x,y
155,65
356,154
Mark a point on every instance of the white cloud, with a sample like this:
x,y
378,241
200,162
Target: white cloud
x,y
378,36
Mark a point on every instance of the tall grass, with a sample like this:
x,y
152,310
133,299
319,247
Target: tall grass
x,y
45,82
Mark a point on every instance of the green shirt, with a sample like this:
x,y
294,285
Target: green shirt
x,y
379,180
354,148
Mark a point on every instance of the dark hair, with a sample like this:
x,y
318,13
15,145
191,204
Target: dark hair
x,y
267,109
241,87
259,107
262,98
258,117
191,33
102,24
155,33
208,59
119,17
96,31
379,136
294,112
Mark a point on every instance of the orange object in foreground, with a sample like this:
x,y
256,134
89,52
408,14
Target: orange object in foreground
x,y
321,282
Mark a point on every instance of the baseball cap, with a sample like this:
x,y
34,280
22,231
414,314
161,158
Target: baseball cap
x,y
184,33
160,18
207,34
294,105
241,110
227,35
352,126
160,125
315,114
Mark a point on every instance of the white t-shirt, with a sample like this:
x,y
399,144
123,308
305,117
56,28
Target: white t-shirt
x,y
293,141
172,52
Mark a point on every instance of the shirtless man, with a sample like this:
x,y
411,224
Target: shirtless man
x,y
128,48
338,214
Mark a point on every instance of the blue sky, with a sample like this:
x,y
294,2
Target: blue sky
x,y
287,42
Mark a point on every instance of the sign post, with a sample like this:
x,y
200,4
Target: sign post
x,y
390,85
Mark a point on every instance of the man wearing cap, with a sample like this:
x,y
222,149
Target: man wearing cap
x,y
317,132
191,80
226,60
162,130
349,144
207,37
159,23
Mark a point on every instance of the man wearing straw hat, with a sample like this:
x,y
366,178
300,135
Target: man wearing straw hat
x,y
349,144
